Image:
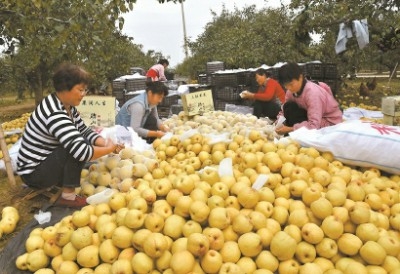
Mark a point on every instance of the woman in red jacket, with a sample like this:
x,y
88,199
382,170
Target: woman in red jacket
x,y
269,97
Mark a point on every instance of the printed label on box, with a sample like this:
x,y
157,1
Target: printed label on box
x,y
98,110
198,102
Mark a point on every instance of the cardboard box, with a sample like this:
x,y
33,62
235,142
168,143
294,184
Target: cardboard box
x,y
198,102
391,105
98,110
391,120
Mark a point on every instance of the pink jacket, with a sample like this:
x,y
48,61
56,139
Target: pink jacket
x,y
156,72
322,108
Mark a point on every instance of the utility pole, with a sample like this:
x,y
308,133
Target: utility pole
x,y
184,31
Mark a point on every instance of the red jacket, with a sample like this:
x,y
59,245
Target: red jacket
x,y
270,91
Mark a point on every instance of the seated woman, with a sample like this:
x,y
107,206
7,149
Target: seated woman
x,y
56,144
308,104
269,97
140,112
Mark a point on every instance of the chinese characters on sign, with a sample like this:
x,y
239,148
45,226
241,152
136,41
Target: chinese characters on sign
x,y
98,110
198,102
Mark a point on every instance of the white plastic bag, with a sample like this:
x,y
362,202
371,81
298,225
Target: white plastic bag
x,y
356,142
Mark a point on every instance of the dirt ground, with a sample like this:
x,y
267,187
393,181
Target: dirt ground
x,y
347,95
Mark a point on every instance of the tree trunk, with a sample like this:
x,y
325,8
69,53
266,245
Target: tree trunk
x,y
39,90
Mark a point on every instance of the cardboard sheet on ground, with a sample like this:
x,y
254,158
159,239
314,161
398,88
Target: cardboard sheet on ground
x,y
16,246
357,143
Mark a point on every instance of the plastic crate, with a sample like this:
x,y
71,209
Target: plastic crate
x,y
315,70
242,78
273,72
118,84
134,84
204,79
228,94
224,79
175,109
214,66
219,105
333,84
163,112
120,96
169,100
330,71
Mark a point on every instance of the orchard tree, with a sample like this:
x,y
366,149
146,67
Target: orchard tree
x,y
243,39
39,34
324,17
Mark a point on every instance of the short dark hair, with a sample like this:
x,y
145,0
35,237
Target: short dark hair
x,y
163,62
157,87
68,75
263,72
288,72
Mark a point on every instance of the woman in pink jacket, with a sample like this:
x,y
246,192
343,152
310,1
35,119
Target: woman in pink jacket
x,y
157,72
307,104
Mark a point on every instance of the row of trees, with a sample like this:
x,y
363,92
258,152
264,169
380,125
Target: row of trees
x,y
37,35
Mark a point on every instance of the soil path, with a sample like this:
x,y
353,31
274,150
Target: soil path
x,y
11,112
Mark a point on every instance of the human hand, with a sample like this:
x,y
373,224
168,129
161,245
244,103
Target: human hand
x,y
246,94
118,148
164,128
283,130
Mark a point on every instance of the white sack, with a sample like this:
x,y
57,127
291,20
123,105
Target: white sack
x,y
356,142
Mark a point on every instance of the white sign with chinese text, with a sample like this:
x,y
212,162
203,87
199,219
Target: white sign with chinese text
x,y
98,110
198,102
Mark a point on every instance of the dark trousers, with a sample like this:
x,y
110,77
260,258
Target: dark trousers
x,y
268,109
59,168
293,113
150,124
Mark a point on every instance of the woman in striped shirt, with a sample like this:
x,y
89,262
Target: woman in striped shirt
x,y
56,143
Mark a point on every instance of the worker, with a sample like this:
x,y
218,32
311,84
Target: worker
x,y
307,104
140,112
56,144
157,72
269,97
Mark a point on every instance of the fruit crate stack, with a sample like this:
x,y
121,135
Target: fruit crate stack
x,y
214,66
325,72
224,79
118,90
135,83
227,95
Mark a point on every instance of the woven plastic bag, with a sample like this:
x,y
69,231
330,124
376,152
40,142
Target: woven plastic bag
x,y
357,143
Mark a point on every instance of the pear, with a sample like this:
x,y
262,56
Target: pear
x,y
122,266
139,170
36,260
349,244
211,262
88,256
108,252
230,268
198,244
68,267
182,256
142,263
21,261
250,244
155,244
230,252
373,253
283,246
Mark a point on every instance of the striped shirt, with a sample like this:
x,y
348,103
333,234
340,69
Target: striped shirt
x,y
49,127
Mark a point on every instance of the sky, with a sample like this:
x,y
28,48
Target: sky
x,y
159,27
